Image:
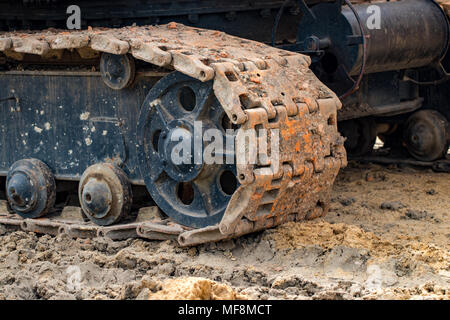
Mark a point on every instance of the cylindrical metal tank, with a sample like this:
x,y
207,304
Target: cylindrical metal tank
x,y
400,35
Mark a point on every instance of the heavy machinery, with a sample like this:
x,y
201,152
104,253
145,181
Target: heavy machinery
x,y
106,107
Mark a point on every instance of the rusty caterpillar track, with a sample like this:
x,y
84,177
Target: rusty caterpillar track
x,y
258,87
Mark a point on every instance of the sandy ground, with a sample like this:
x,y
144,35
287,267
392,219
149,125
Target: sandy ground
x,y
387,236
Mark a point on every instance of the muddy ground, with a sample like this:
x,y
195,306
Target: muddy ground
x,y
387,236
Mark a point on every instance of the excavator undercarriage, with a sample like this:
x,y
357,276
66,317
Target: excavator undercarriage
x,y
170,128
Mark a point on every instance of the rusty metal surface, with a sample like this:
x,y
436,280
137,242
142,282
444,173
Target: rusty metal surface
x,y
445,4
258,87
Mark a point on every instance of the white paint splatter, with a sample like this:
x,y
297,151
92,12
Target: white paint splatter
x,y
88,141
37,129
84,115
47,126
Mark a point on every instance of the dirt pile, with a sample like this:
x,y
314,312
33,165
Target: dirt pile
x,y
194,289
428,291
299,235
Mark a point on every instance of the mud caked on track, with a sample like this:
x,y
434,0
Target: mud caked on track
x,y
253,85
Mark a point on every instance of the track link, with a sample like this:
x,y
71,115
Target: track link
x,y
258,87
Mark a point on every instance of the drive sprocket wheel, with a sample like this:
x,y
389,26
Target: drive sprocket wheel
x,y
191,190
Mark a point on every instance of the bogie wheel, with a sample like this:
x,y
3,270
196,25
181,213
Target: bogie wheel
x,y
426,135
193,192
105,194
360,135
117,71
30,188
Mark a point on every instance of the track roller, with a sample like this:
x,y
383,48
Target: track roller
x,y
30,188
426,135
118,71
360,135
105,194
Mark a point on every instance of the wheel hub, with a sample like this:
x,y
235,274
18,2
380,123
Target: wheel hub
x,y
97,198
421,138
178,162
30,188
22,192
105,194
117,71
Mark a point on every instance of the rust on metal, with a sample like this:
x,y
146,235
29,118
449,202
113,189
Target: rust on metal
x,y
259,87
